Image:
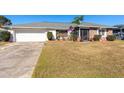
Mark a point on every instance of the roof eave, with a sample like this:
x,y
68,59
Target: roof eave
x,y
88,26
45,28
109,27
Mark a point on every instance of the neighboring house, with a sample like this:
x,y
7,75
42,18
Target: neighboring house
x,y
37,32
119,31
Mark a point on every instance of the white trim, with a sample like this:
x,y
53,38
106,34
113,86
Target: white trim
x,y
79,34
97,32
105,33
13,35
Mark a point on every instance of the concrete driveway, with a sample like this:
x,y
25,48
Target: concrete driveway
x,y
19,59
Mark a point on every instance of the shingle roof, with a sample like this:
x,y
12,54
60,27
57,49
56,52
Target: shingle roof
x,y
55,25
87,24
60,25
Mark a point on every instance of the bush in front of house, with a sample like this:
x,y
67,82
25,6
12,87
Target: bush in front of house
x,y
58,37
97,37
50,35
4,36
74,35
111,37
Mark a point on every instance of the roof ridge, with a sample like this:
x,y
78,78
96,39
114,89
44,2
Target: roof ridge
x,y
61,23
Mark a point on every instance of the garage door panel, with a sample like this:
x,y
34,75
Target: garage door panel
x,y
30,36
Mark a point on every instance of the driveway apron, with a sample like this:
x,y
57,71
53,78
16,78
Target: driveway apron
x,y
19,59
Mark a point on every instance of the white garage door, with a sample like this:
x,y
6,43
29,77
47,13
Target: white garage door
x,y
30,36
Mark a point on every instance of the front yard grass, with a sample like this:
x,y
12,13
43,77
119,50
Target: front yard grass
x,y
76,59
3,43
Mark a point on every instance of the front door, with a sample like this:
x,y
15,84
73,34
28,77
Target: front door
x,y
84,35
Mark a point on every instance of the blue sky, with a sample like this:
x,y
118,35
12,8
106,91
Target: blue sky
x,y
100,19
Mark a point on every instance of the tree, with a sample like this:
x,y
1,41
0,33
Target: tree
x,y
77,20
5,21
119,26
5,35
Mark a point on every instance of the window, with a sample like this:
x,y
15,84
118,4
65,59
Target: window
x,y
102,32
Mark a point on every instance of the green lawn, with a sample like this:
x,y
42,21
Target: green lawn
x,y
77,59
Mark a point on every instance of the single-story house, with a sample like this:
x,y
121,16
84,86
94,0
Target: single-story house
x,y
119,31
37,32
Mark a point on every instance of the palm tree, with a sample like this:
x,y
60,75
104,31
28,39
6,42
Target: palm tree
x,y
78,20
4,21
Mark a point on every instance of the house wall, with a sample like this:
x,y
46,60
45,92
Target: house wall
x,y
109,32
62,34
54,33
92,32
30,34
103,33
13,35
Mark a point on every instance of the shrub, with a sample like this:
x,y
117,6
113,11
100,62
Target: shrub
x,y
5,36
74,36
58,37
50,35
111,37
96,37
122,38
